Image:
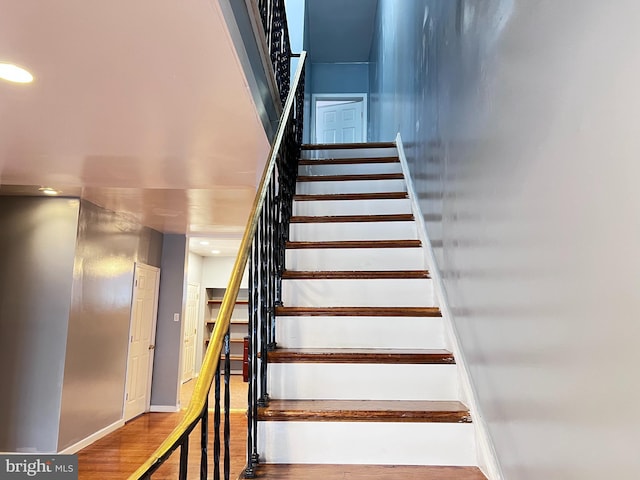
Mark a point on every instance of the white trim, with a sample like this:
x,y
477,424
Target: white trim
x,y
164,408
487,458
76,447
340,96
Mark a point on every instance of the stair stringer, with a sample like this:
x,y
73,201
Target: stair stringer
x,y
485,450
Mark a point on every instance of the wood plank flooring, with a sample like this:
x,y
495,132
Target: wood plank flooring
x,y
348,161
361,355
117,455
350,275
357,244
350,177
346,146
396,217
365,411
312,197
358,311
367,472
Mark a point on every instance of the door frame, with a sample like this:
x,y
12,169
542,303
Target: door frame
x,y
196,323
154,323
315,97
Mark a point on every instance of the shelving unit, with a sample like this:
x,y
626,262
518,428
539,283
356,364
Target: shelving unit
x,y
239,323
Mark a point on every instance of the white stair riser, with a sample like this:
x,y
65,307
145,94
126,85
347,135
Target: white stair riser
x,y
360,332
348,381
351,207
401,292
350,168
376,443
350,153
300,232
351,186
355,259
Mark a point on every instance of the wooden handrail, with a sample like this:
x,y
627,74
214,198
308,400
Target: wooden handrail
x,y
197,406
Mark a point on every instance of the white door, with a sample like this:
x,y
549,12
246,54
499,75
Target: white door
x,y
339,121
141,340
190,331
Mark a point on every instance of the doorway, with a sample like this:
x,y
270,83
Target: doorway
x,y
190,332
142,332
339,118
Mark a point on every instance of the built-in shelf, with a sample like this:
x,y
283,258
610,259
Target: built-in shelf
x,y
238,326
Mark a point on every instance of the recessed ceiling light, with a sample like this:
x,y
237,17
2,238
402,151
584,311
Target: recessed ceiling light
x,y
49,191
204,243
215,252
13,73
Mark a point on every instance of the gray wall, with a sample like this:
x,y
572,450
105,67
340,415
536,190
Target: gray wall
x,y
520,118
238,20
166,364
108,245
37,243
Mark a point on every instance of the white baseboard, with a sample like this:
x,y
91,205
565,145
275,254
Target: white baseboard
x,y
76,447
487,458
164,408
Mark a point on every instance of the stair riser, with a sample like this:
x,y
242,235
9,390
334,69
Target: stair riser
x,y
351,207
301,232
350,153
350,168
351,186
355,259
342,381
358,293
360,332
367,443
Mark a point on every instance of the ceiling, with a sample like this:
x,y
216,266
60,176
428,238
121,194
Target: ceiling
x,y
140,107
339,30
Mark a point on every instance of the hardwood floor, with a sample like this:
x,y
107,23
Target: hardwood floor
x,y
117,455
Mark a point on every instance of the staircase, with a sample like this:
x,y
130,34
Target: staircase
x,y
362,384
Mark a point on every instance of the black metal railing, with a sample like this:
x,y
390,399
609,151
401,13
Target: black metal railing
x,y
274,23
266,264
263,243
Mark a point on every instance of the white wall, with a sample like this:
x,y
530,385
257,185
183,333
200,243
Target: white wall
x,y
520,118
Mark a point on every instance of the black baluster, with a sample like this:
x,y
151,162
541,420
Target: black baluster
x,y
216,426
204,439
184,457
249,471
227,407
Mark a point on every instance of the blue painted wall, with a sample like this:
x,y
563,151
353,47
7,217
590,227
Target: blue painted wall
x,y
340,78
520,121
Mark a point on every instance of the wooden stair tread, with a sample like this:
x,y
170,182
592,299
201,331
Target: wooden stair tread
x,y
365,411
350,177
351,196
357,274
361,355
394,217
346,146
356,244
358,311
283,471
348,161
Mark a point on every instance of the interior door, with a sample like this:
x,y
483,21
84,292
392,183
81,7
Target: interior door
x,y
190,331
141,340
339,121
